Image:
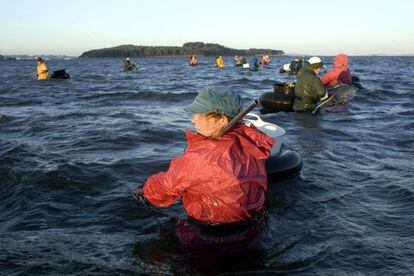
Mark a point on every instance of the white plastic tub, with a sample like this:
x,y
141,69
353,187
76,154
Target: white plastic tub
x,y
272,130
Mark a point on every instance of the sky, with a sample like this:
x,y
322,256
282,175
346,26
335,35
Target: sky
x,y
318,27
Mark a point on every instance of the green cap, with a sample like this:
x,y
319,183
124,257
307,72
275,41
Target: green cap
x,y
212,99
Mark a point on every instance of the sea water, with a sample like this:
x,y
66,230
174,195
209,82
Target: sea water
x,y
73,151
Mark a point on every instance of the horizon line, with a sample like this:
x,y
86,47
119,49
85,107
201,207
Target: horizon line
x,y
286,54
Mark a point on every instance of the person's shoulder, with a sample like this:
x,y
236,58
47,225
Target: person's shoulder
x,y
247,131
197,142
209,152
307,75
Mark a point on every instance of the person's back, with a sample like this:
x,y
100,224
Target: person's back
x,y
238,187
255,62
308,88
265,60
295,66
128,65
340,74
42,71
243,60
219,62
193,61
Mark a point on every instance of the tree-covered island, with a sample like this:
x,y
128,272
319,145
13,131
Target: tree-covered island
x,y
189,48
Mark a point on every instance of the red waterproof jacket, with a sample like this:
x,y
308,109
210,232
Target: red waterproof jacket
x,y
340,74
220,180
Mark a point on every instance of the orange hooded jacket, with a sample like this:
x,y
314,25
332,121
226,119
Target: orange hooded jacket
x,y
340,74
219,180
42,72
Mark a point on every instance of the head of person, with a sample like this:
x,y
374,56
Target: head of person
x,y
316,64
213,108
39,60
341,60
127,59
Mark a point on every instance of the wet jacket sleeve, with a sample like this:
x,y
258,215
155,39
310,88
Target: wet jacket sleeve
x,y
320,90
164,188
328,77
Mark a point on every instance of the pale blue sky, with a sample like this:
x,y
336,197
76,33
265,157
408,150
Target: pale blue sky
x,y
323,27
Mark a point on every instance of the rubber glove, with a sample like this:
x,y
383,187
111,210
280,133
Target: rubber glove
x,y
325,97
139,194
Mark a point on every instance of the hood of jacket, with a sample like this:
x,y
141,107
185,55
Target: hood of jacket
x,y
341,60
252,141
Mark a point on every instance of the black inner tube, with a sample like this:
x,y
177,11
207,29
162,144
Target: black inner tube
x,y
283,165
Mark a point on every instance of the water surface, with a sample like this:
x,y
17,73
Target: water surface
x,y
72,151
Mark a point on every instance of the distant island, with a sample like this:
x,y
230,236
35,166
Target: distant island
x,y
189,48
6,58
24,57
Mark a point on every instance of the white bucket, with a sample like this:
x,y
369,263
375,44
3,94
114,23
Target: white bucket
x,y
272,130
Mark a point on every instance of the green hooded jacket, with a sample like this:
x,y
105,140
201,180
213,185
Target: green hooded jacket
x,y
308,90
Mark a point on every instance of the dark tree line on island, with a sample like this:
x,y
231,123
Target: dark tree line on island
x,y
6,58
189,48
